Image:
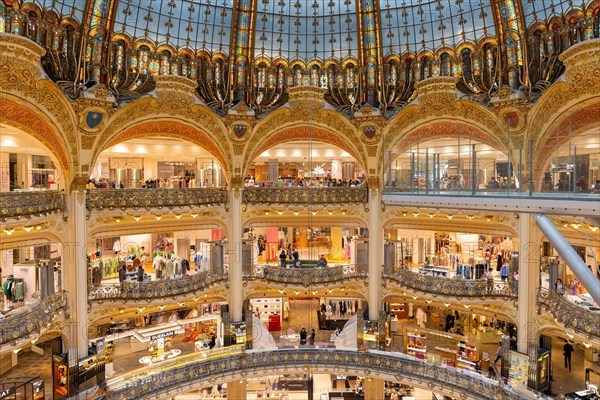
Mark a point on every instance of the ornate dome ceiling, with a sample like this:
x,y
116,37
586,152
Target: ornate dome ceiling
x,y
361,51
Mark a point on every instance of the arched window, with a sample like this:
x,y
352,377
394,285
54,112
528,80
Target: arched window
x,y
488,63
314,75
445,64
165,63
425,67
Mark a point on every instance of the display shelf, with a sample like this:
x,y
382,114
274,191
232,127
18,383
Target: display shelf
x,y
422,349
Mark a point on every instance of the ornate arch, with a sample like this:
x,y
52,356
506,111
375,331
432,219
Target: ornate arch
x,y
304,116
443,128
302,132
37,125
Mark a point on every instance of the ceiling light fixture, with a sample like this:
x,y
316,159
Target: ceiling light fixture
x,y
194,215
431,215
470,217
415,214
449,216
158,217
177,216
9,231
28,228
137,217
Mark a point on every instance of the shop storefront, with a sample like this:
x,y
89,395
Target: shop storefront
x,y
168,255
29,275
337,245
450,254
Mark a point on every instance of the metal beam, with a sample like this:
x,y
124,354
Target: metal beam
x,y
568,254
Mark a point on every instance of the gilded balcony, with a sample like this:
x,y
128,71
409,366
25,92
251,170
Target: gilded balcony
x,y
449,287
571,316
30,204
306,195
197,370
109,199
33,321
305,276
156,289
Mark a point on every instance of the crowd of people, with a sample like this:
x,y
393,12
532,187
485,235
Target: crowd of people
x,y
327,181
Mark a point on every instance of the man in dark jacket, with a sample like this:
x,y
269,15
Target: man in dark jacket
x,y
140,274
567,350
122,274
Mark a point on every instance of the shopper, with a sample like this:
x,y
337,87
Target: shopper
x,y
559,287
490,280
295,257
282,258
322,263
312,337
140,274
122,274
303,336
504,272
213,341
567,350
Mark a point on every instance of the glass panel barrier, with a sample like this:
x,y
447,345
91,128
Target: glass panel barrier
x,y
560,167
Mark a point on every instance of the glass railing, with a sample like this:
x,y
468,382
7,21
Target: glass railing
x,y
305,276
102,199
199,370
30,204
156,289
449,287
561,167
32,320
571,316
306,195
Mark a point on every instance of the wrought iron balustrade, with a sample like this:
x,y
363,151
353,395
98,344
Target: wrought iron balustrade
x,y
200,371
305,276
156,289
30,204
571,316
447,286
23,324
100,199
306,195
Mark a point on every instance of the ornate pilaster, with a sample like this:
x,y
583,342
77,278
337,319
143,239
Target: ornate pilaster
x,y
370,47
99,22
511,31
242,44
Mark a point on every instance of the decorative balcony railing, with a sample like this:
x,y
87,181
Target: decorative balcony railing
x,y
306,276
306,195
26,323
100,199
156,289
154,382
449,287
570,315
30,204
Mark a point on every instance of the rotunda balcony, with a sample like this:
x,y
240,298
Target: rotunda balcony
x,y
26,204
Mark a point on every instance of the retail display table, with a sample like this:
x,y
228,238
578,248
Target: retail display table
x,y
165,356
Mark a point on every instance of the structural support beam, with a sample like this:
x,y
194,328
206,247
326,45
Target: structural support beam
x,y
529,264
375,254
235,256
568,254
75,276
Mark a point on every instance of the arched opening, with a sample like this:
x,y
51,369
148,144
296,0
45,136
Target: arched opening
x,y
157,162
27,163
304,164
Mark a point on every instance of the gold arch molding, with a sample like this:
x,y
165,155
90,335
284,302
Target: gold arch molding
x,y
172,128
34,123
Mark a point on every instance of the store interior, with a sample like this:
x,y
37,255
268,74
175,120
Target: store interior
x,y
156,162
446,165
